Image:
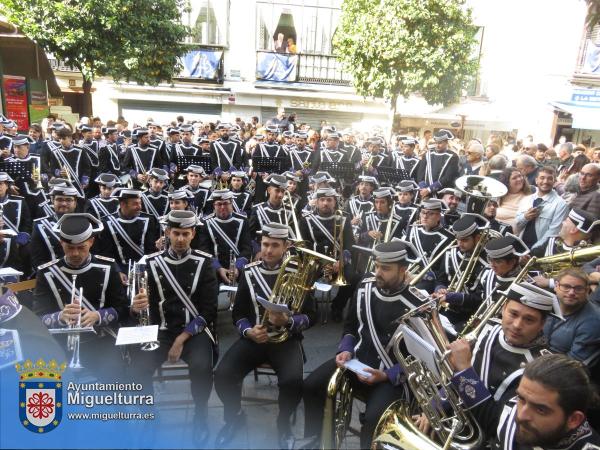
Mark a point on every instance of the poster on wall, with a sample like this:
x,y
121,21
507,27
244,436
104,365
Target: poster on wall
x,y
15,100
202,64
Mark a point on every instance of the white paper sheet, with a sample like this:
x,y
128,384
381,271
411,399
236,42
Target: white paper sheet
x,y
9,272
227,288
421,349
7,232
137,335
357,367
273,307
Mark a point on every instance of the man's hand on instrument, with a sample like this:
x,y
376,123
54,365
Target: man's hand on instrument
x,y
422,423
223,274
356,220
342,357
278,319
160,243
89,318
377,376
63,172
5,153
375,234
141,177
140,301
70,313
258,334
460,354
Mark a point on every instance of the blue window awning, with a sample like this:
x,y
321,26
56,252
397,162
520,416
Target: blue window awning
x,y
585,117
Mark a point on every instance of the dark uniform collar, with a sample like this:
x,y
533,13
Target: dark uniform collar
x,y
82,266
173,255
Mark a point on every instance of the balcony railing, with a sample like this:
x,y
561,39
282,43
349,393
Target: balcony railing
x,y
300,68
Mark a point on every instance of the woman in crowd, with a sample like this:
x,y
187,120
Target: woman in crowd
x,y
518,187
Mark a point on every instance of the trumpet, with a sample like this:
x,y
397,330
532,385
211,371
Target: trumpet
x,y
140,281
36,176
74,337
338,250
231,276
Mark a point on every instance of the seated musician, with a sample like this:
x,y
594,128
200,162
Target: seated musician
x,y
491,208
104,303
577,230
578,335
362,203
242,199
104,203
368,327
155,200
254,348
548,412
195,175
503,257
468,231
318,180
182,297
405,208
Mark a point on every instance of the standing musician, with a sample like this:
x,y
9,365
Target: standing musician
x,y
300,155
468,232
548,412
29,186
184,148
174,138
254,348
70,162
139,158
271,210
405,207
406,160
437,169
368,327
361,204
353,154
226,154
182,297
331,151
503,257
108,154
129,233
319,180
577,231
270,148
156,199
45,244
103,304
225,233
430,238
374,157
194,176
328,231
48,147
104,203
288,141
242,199
491,208
91,148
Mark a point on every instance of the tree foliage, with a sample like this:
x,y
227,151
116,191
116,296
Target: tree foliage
x,y
395,48
131,40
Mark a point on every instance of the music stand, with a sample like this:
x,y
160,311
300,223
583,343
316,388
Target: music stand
x,y
268,164
183,161
392,175
339,170
17,169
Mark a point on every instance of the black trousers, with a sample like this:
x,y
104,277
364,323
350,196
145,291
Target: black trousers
x,y
197,353
378,398
286,359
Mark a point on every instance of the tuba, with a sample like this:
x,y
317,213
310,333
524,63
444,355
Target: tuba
x,y
291,288
338,410
456,429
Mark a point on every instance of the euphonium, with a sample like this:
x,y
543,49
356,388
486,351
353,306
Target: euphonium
x,y
338,410
453,428
551,265
292,287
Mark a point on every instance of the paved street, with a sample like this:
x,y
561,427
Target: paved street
x,y
259,397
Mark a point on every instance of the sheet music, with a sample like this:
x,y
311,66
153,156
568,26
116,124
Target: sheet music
x,y
137,335
357,367
273,307
421,350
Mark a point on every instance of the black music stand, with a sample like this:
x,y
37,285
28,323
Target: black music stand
x,y
392,175
183,161
17,169
339,170
268,164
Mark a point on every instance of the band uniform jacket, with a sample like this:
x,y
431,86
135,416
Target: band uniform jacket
x,y
109,160
127,239
264,213
223,238
100,206
318,231
554,246
103,291
75,160
258,281
227,154
369,326
408,163
155,204
139,160
500,227
437,169
175,283
408,214
491,285
16,214
374,222
242,202
201,196
45,244
91,149
428,244
358,207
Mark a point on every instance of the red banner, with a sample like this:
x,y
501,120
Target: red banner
x,y
15,99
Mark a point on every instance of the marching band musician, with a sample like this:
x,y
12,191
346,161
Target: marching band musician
x,y
70,162
320,179
439,168
375,223
300,155
242,199
468,231
195,175
368,327
182,297
174,138
451,198
293,182
91,149
155,200
15,211
48,147
224,233
272,209
253,348
270,148
184,148
373,157
353,153
104,302
503,257
108,153
104,203
430,238
362,203
129,233
45,244
330,152
406,160
548,412
225,153
140,157
489,213
406,208
288,141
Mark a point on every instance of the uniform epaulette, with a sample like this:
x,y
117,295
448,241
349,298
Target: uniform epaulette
x,y
210,216
239,216
48,264
16,196
152,255
368,280
201,253
105,258
252,264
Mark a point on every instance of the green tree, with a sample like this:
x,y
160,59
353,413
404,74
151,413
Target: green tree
x,y
131,40
395,48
